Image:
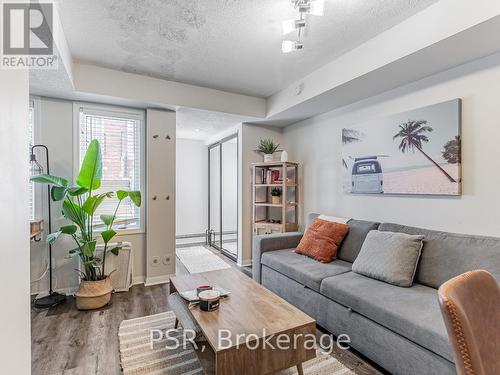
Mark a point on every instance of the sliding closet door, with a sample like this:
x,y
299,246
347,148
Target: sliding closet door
x,y
223,196
230,196
214,219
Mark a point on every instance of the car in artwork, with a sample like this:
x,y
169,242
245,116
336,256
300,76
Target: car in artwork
x,y
367,177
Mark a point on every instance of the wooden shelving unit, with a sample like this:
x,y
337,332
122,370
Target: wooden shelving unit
x,y
269,217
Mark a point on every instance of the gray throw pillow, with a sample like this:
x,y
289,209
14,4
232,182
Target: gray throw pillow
x,y
390,257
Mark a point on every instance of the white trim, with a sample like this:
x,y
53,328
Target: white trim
x,y
136,280
245,263
135,114
155,280
35,102
69,291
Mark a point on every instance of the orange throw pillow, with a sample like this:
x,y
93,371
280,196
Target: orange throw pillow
x,y
322,239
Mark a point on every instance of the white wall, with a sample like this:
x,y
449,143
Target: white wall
x,y
192,184
316,143
15,323
160,195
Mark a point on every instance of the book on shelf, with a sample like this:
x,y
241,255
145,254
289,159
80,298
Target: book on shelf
x,y
270,176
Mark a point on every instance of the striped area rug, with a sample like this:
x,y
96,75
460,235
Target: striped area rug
x,y
139,358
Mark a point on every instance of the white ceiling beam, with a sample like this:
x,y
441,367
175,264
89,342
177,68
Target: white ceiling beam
x,y
92,80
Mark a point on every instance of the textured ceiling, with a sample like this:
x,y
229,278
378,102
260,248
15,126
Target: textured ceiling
x,y
203,125
233,45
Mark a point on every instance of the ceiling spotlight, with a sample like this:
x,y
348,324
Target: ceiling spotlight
x,y
290,46
197,130
314,7
292,25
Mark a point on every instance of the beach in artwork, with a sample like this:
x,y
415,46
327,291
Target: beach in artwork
x,y
416,152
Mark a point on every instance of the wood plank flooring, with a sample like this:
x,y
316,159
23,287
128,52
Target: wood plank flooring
x,y
66,341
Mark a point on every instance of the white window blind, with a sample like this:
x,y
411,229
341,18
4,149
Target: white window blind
x,y
119,135
31,141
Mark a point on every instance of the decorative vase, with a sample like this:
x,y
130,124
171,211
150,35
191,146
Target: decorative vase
x,y
275,199
284,156
93,294
268,158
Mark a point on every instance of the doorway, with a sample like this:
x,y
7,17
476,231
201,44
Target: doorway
x,y
222,232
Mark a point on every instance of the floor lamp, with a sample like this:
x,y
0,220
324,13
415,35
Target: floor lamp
x,y
53,298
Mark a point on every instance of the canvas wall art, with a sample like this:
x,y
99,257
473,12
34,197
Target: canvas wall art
x,y
415,152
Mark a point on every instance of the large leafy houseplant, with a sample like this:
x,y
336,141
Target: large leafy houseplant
x,y
79,205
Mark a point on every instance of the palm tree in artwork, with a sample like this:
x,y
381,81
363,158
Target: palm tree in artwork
x,y
451,152
349,136
412,134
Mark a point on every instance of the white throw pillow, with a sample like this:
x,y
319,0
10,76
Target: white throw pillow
x,y
334,219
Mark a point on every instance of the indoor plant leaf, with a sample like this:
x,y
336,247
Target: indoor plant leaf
x,y
73,212
107,219
48,179
115,250
88,248
92,203
68,229
72,253
52,237
121,194
58,193
107,235
135,196
76,191
91,170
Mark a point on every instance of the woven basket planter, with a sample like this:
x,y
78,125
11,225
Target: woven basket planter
x,y
93,294
275,200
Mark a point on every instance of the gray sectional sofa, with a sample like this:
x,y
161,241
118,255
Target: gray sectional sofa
x,y
401,329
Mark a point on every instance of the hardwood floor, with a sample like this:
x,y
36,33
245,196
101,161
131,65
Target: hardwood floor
x,y
66,341
71,342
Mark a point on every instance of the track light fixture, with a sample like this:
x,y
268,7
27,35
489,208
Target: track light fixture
x,y
290,46
313,7
292,25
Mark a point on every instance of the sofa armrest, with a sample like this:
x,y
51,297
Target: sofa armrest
x,y
271,242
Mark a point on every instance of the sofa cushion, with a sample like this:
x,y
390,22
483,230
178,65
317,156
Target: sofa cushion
x,y
389,256
351,246
302,269
446,255
411,312
322,239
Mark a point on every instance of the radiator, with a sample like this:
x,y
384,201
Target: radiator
x,y
121,278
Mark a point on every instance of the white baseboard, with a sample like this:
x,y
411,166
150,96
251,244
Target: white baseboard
x,y
65,291
245,263
136,280
163,279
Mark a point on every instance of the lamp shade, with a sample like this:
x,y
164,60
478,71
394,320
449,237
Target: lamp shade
x,y
35,167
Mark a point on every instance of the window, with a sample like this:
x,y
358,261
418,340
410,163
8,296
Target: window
x,y
119,134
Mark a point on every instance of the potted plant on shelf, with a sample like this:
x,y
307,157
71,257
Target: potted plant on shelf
x,y
276,195
79,204
268,148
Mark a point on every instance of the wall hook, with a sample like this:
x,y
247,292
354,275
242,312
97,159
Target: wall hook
x,y
155,197
155,136
168,137
167,197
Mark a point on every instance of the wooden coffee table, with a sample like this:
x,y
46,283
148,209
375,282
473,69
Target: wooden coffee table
x,y
252,314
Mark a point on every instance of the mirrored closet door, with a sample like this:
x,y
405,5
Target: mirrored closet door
x,y
223,196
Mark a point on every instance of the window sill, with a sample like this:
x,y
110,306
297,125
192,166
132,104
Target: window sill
x,y
125,232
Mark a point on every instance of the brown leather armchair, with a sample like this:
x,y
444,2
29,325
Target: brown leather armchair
x,y
470,304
